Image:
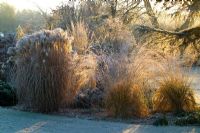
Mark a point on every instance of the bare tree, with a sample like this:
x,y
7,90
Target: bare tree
x,y
194,9
151,13
193,6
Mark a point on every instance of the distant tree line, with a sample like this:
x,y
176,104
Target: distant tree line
x,y
92,11
126,10
10,19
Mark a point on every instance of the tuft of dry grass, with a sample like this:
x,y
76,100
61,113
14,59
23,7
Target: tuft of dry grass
x,y
85,68
126,100
129,83
174,92
139,75
118,100
80,34
139,101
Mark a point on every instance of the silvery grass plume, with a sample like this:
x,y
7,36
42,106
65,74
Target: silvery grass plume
x,y
44,38
45,76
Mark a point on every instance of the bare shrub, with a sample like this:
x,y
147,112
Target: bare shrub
x,y
63,16
71,12
113,37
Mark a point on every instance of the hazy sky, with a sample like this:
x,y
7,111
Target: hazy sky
x,y
31,4
47,5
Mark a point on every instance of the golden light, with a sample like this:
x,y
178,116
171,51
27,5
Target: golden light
x,y
33,4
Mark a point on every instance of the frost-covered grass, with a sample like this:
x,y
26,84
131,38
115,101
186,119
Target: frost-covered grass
x,y
42,70
47,74
174,92
52,66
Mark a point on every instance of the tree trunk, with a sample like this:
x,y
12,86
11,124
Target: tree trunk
x,y
113,7
151,14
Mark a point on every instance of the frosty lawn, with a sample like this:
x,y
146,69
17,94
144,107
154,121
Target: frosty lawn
x,y
12,121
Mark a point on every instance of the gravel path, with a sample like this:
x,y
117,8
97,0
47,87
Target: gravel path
x,y
12,121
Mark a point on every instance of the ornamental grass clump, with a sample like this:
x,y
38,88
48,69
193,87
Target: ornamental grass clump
x,y
128,82
174,92
125,100
45,78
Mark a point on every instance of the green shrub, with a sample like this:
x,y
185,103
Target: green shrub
x,y
161,121
188,119
7,95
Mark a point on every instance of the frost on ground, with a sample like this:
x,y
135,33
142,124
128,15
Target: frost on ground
x,y
12,121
